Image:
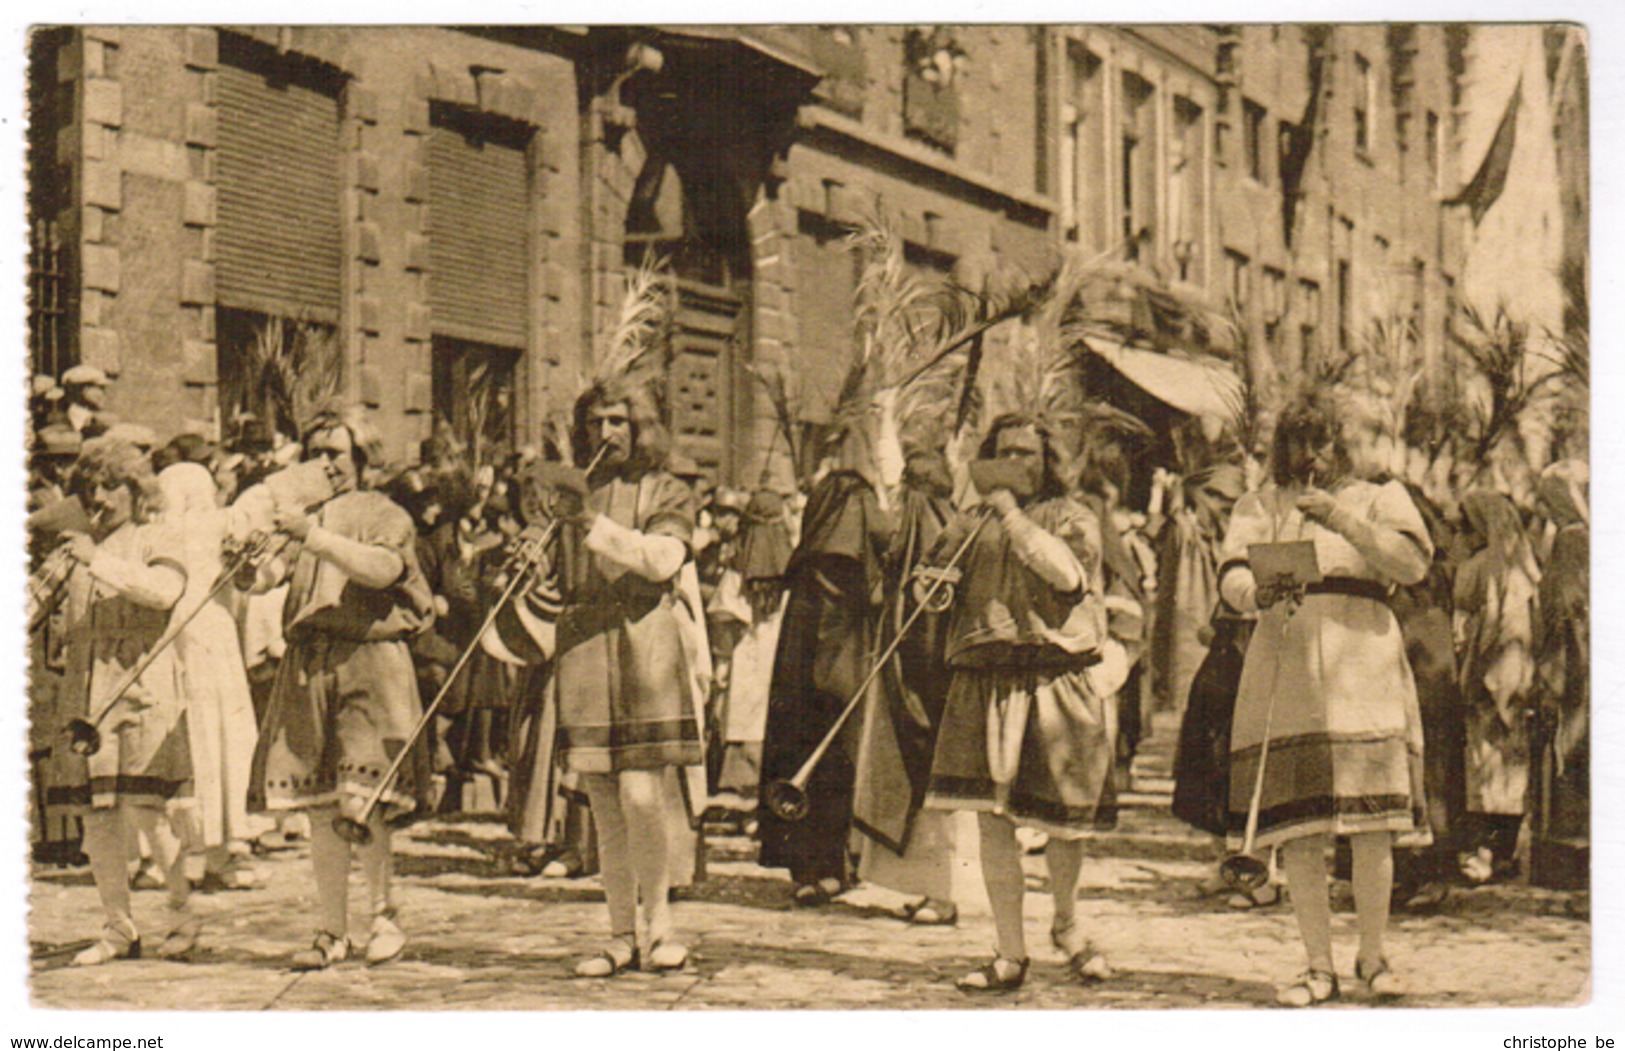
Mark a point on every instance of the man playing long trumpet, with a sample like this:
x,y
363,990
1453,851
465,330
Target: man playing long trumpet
x,y
624,711
345,700
125,580
1024,740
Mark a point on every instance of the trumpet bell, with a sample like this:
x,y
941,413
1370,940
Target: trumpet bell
x,y
352,831
1244,872
83,737
787,801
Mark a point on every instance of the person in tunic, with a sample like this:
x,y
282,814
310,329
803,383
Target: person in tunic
x,y
1025,740
625,707
1495,596
904,846
128,576
548,818
836,584
1424,611
1187,568
220,709
1563,654
346,698
1326,673
746,613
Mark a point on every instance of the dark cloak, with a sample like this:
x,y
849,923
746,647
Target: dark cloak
x,y
895,753
835,578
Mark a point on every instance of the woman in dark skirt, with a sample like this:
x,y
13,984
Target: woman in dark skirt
x,y
1202,762
836,582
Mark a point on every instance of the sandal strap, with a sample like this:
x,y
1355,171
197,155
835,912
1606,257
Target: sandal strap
x,y
992,980
1381,968
1313,981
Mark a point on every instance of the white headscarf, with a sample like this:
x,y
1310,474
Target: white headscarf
x,y
190,508
187,488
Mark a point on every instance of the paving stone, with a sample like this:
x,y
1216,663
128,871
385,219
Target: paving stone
x,y
481,940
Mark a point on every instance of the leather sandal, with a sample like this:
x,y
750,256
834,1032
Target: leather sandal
x,y
620,956
181,939
325,950
1086,962
114,943
1258,898
1380,982
386,940
933,913
1311,988
666,956
811,895
988,978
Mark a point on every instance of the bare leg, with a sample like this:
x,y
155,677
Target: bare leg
x,y
1006,885
1305,863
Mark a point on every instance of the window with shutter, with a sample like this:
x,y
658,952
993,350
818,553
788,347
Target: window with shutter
x,y
279,240
478,219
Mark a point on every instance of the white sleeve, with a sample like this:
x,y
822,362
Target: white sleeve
x,y
1046,555
152,586
652,557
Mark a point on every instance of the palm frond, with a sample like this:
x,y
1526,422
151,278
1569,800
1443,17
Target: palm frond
x,y
298,366
317,363
781,383
1390,368
1028,373
1247,404
1494,347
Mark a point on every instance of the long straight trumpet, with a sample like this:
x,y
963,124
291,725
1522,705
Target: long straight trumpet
x,y
356,829
84,735
1243,870
788,799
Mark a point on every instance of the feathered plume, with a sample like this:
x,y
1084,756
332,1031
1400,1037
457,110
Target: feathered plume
x,y
1032,373
900,313
635,349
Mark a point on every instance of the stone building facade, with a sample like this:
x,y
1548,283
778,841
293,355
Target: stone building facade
x,y
450,214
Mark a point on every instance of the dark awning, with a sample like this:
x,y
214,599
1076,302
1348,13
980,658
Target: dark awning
x,y
778,45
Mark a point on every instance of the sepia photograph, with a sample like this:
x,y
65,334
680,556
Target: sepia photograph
x,y
920,517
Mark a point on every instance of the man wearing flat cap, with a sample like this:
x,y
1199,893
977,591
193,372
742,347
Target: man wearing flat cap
x,y
85,398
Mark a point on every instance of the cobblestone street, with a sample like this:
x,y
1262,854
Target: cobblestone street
x,y
483,940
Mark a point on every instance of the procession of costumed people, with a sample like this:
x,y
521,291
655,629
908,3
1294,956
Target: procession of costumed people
x,y
953,597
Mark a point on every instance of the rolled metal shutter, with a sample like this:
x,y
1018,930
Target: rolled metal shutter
x,y
280,242
478,218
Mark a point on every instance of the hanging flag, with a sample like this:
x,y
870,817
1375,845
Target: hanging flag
x,y
1491,179
1299,140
